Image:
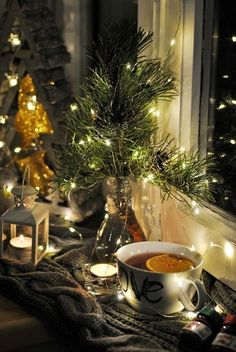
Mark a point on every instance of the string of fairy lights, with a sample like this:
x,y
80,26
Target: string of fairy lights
x,y
228,248
224,138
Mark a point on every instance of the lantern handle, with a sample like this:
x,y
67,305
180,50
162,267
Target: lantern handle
x,y
27,169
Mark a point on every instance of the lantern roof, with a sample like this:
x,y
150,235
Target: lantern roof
x,y
28,190
25,216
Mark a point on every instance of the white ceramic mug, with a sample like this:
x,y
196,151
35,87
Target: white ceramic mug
x,y
160,293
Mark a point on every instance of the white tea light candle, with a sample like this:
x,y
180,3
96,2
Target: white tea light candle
x,y
21,247
103,270
22,242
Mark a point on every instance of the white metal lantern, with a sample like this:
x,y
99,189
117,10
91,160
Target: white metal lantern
x,y
26,225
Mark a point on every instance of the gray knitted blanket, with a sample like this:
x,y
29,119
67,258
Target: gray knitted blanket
x,y
53,291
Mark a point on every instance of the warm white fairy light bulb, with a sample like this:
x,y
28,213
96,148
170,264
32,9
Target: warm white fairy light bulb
x,y
156,113
219,309
89,139
73,107
17,150
135,154
233,101
2,143
14,40
229,250
31,104
73,185
193,203
120,296
92,166
172,42
72,229
108,142
3,119
148,178
151,110
225,76
195,207
81,142
12,79
234,38
232,141
221,106
128,66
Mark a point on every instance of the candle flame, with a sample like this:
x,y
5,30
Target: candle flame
x,y
22,238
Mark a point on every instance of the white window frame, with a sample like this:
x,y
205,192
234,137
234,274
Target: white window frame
x,y
208,229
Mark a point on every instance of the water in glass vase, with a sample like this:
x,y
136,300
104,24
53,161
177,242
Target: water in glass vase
x,y
120,225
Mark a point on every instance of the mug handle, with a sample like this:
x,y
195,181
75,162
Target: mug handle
x,y
184,297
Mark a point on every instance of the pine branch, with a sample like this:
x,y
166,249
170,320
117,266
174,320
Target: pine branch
x,y
113,130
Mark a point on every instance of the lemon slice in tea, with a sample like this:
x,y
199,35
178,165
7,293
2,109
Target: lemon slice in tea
x,y
167,263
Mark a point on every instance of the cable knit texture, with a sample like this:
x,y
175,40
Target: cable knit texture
x,y
53,292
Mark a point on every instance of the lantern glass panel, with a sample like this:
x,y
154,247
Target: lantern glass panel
x,y
42,238
5,235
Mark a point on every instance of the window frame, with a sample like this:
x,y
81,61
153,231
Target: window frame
x,y
213,226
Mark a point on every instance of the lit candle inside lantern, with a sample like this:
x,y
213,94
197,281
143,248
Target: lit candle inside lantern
x,y
103,270
21,242
21,247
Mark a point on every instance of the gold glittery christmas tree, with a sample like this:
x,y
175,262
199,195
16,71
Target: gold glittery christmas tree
x,y
31,121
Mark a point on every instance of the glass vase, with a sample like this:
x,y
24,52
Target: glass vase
x,y
120,225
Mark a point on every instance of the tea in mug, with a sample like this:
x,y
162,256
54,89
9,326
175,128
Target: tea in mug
x,y
161,262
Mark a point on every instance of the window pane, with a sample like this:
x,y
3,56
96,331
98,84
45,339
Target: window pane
x,y
222,123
